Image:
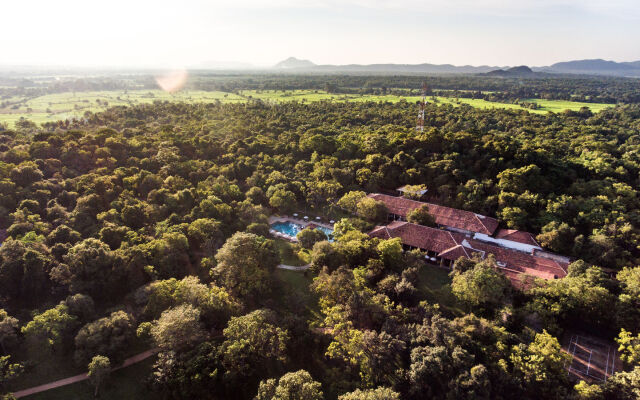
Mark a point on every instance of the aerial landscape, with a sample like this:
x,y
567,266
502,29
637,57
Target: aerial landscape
x,y
367,200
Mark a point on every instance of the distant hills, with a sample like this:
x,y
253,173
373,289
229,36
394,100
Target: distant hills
x,y
595,67
293,62
584,67
522,70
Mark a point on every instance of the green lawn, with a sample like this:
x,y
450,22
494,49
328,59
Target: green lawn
x,y
62,106
126,383
48,368
294,292
45,370
435,286
291,254
557,106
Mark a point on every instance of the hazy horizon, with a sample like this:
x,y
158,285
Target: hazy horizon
x,y
191,33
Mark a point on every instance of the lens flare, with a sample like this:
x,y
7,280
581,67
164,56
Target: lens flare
x,y
172,81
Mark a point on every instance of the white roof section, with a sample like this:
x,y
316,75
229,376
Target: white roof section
x,y
510,244
420,192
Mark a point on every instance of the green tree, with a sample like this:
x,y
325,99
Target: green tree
x,y
253,343
629,348
372,210
81,306
557,237
481,286
109,336
421,216
246,263
381,393
215,303
390,252
50,330
324,254
8,330
283,200
99,371
91,268
297,385
540,365
309,237
178,329
8,372
630,280
350,200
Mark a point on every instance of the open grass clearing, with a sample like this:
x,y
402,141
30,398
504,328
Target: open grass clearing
x,y
126,383
291,254
48,368
435,286
294,292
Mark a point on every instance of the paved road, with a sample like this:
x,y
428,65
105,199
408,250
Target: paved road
x,y
294,268
78,378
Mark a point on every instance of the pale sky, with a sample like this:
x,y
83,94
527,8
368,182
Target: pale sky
x,y
181,33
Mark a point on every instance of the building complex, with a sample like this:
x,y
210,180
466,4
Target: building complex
x,y
461,233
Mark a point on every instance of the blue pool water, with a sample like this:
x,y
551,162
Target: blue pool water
x,y
291,228
288,228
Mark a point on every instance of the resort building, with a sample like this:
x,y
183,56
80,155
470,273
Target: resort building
x,y
451,218
463,233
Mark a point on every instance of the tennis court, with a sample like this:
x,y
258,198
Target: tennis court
x,y
591,359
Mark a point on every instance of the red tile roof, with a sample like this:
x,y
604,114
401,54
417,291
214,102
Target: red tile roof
x,y
446,216
451,246
516,236
424,237
526,263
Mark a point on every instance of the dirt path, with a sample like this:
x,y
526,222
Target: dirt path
x,y
78,378
294,268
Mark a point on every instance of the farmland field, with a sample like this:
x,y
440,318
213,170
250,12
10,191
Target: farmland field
x,y
59,106
62,106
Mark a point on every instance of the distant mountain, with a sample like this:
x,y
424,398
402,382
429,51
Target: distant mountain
x,y
293,62
522,70
582,67
595,67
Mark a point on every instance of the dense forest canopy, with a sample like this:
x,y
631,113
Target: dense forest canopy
x,y
148,224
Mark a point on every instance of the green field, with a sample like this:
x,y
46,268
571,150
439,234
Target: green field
x,y
62,106
435,287
291,254
126,383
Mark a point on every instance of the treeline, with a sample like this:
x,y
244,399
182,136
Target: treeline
x,y
149,223
504,89
551,87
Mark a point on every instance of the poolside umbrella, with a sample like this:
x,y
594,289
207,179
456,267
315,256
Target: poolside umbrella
x,y
318,218
332,222
295,214
305,217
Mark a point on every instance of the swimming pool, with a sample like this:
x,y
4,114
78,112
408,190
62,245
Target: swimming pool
x,y
291,229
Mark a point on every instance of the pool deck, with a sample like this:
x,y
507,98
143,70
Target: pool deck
x,y
304,223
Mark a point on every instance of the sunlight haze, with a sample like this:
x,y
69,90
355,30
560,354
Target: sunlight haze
x,y
194,33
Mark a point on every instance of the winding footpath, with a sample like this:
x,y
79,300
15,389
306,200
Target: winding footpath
x,y
294,268
79,378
